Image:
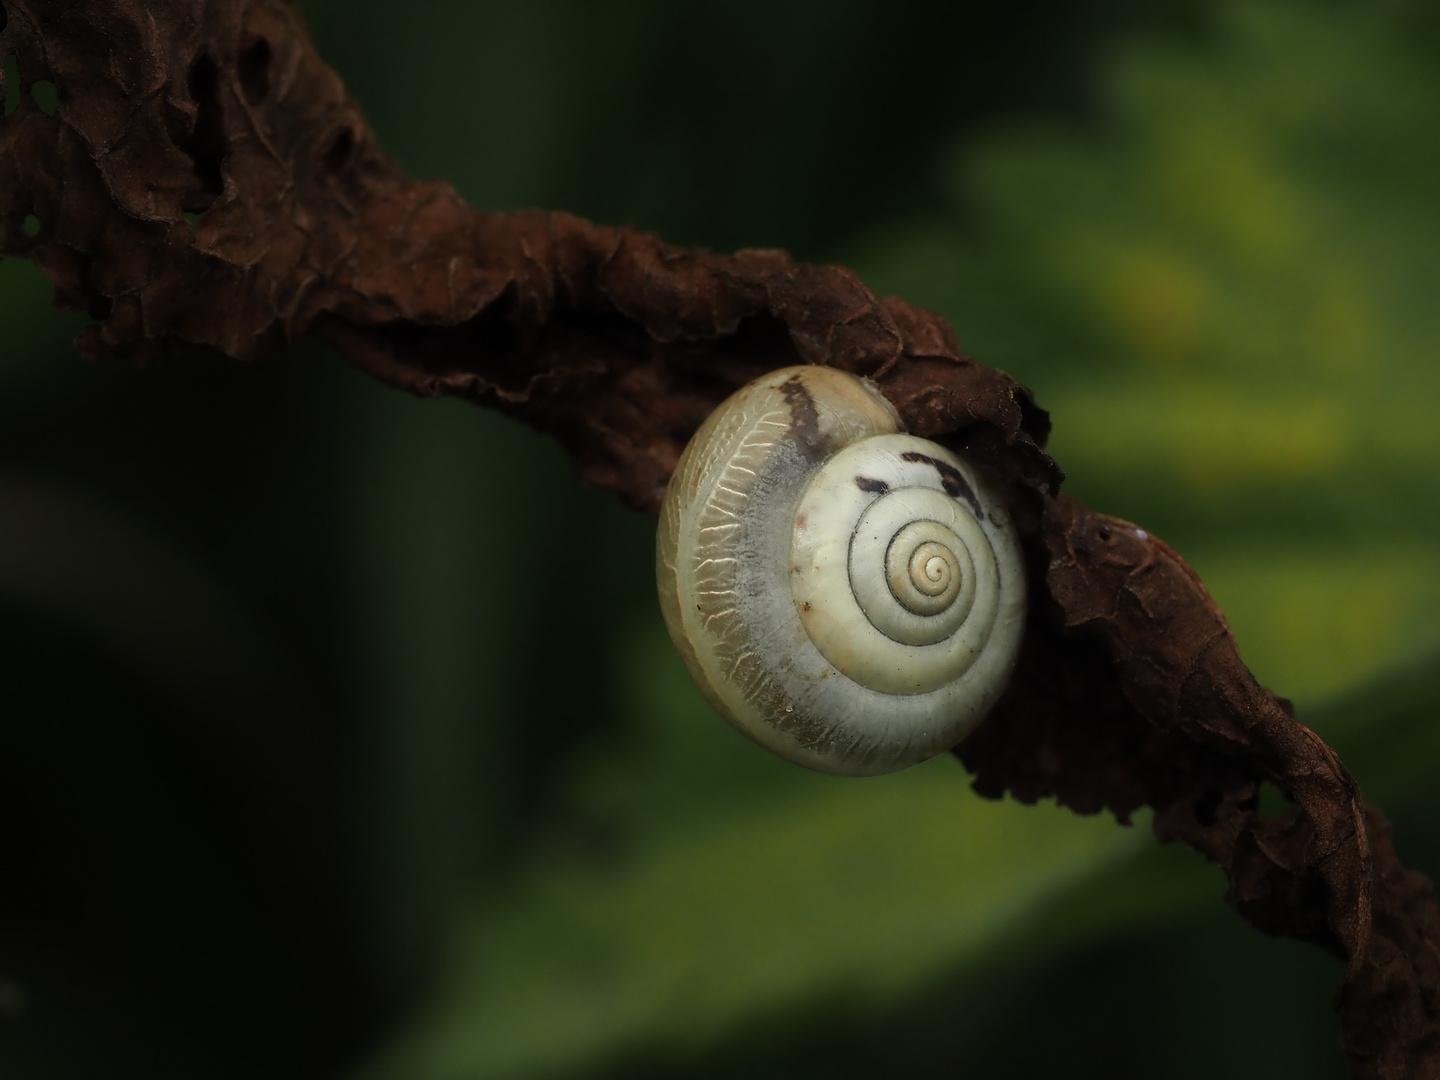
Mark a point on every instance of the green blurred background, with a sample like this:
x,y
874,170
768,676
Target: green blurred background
x,y
301,776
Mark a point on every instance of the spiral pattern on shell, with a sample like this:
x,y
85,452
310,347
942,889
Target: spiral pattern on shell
x,y
847,595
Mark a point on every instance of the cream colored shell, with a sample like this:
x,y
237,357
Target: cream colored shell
x,y
846,595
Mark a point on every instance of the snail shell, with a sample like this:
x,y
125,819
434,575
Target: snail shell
x,y
846,595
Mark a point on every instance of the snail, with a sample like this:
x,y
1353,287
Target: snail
x,y
845,594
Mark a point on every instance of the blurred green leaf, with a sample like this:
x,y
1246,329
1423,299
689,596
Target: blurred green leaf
x,y
1388,734
737,888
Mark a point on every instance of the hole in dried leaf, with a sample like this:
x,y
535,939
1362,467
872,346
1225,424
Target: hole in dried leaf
x,y
202,80
254,69
11,71
1206,807
46,96
190,219
1272,801
206,144
339,149
31,226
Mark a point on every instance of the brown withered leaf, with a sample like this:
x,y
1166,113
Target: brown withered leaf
x,y
206,180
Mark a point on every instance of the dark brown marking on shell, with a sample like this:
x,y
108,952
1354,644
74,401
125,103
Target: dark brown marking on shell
x,y
874,487
950,479
804,418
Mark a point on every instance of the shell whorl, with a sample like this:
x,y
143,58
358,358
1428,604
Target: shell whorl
x,y
845,594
